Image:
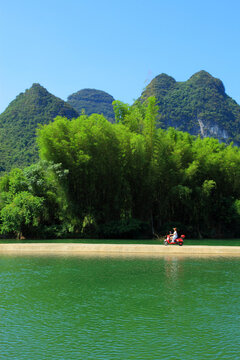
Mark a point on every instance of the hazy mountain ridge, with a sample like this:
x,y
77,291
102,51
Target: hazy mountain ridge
x,y
93,101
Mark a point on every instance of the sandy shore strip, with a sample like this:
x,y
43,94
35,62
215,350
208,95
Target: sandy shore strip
x,y
156,250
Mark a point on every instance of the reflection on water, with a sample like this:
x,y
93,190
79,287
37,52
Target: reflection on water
x,y
118,307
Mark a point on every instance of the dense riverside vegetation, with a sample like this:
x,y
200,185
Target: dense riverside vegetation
x,y
126,179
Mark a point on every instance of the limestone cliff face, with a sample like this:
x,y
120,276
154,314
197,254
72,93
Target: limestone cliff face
x,y
211,129
199,106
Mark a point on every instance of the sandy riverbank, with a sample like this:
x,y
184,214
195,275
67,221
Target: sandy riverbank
x,y
120,249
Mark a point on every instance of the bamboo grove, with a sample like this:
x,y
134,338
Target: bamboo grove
x,y
127,179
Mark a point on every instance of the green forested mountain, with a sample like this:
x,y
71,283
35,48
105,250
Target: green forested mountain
x,y
19,121
93,101
198,106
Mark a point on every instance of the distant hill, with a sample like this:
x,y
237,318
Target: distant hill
x,y
93,101
198,106
19,121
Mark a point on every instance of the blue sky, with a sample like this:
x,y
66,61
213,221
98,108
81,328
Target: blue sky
x,y
115,46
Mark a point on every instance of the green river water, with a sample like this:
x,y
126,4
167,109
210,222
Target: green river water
x,y
111,308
